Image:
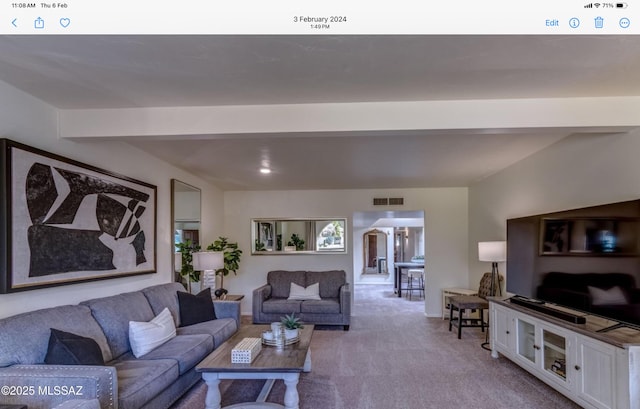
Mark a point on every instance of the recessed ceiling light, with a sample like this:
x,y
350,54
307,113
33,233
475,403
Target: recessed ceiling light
x,y
265,171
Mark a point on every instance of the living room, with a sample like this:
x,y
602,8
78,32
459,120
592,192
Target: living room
x,y
589,157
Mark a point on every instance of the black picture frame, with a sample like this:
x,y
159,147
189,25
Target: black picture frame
x,y
64,222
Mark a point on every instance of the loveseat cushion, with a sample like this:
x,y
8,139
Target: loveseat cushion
x,y
280,282
140,380
164,296
114,313
25,337
330,282
324,306
220,330
280,306
188,350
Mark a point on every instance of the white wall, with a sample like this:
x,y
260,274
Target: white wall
x,y
446,236
578,171
32,122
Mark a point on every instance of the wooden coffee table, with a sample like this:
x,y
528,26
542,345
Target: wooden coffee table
x,y
271,364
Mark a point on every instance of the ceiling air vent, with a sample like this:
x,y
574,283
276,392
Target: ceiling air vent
x,y
380,201
394,201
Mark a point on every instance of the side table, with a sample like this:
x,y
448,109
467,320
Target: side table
x,y
450,292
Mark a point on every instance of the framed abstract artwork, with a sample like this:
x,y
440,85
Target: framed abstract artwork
x,y
64,222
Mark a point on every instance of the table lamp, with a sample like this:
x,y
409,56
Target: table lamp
x,y
208,262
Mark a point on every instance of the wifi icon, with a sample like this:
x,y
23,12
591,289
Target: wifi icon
x,y
596,4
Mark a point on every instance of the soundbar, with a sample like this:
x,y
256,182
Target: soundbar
x,y
541,307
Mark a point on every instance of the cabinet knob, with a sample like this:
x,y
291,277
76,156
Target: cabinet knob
x,y
507,332
536,347
577,367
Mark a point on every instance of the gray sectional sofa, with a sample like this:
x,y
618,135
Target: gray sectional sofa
x,y
270,301
153,381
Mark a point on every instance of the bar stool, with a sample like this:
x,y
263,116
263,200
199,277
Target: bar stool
x,y
416,274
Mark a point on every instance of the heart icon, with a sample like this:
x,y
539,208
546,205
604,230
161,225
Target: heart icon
x,y
64,22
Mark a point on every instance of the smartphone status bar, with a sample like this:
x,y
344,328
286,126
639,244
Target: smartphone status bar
x,y
318,17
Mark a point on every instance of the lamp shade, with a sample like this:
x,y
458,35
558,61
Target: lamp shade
x,y
493,251
208,260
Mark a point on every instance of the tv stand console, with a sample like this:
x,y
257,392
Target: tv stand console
x,y
597,370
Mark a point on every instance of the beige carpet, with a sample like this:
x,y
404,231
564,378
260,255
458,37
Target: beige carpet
x,y
396,358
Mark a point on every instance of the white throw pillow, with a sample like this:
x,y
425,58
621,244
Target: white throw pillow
x,y
612,296
298,292
146,336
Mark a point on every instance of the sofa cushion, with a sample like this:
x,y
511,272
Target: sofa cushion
x,y
114,313
195,308
330,282
164,296
612,296
25,337
280,282
66,348
324,306
188,350
144,337
220,330
280,306
298,292
140,380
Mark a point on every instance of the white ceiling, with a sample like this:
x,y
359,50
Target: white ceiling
x,y
78,72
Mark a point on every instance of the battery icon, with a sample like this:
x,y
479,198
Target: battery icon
x,y
621,5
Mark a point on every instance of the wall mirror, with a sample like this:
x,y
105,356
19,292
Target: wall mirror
x,y
374,244
298,236
185,214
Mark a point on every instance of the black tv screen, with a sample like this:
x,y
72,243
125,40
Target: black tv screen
x,y
587,259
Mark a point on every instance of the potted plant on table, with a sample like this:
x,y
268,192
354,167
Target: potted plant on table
x,y
291,325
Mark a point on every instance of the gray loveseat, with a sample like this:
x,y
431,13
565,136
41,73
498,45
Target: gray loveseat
x,y
270,301
153,381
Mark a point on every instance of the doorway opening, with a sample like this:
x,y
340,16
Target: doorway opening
x,y
383,238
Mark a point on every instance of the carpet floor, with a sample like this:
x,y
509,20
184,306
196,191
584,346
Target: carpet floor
x,y
394,357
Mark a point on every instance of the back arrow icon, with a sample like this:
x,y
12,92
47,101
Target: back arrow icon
x,y
14,22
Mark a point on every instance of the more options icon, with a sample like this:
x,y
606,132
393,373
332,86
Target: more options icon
x,y
624,22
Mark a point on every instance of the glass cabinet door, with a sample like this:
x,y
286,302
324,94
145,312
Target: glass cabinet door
x,y
554,354
526,343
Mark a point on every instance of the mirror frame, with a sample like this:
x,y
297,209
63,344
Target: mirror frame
x,y
273,221
174,182
364,249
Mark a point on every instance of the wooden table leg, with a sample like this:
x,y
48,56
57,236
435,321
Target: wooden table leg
x,y
213,398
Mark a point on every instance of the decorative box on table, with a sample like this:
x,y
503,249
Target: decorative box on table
x,y
246,351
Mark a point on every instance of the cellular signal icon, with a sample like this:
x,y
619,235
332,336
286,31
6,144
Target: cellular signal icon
x,y
588,6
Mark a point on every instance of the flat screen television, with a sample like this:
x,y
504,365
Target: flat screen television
x,y
586,259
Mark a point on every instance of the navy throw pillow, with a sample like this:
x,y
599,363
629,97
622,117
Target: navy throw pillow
x,y
195,308
66,348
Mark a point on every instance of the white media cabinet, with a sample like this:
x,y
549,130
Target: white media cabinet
x,y
594,369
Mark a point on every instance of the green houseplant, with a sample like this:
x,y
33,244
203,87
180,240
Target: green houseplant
x,y
296,241
232,256
291,325
187,272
